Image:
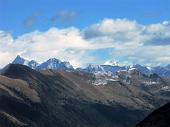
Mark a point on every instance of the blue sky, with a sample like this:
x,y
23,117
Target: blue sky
x,y
86,31
13,13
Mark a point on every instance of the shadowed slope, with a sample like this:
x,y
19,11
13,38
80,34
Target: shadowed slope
x,y
159,118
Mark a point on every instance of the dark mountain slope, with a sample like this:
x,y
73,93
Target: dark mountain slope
x,y
159,118
29,98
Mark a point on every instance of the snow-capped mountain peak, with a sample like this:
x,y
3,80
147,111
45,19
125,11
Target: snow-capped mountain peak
x,y
56,64
112,63
20,60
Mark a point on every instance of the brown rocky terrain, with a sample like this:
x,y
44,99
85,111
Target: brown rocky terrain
x,y
30,98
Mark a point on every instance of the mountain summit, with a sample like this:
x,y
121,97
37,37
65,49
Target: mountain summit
x,y
19,60
112,63
52,63
55,64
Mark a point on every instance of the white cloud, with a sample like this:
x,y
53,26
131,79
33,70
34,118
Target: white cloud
x,y
130,41
110,26
133,42
6,50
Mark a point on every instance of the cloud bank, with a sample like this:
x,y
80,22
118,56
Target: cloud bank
x,y
127,42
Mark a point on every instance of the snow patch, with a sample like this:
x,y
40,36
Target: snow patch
x,y
165,88
148,83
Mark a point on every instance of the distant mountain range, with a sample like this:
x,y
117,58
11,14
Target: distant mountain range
x,y
108,67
